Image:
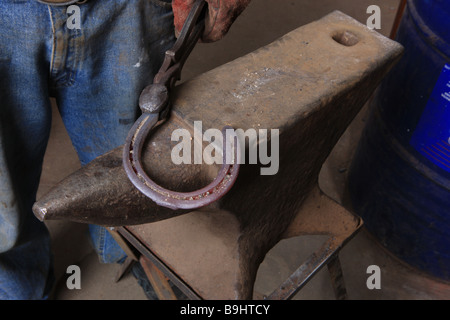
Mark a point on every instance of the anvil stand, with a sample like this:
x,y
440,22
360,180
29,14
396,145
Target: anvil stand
x,y
319,215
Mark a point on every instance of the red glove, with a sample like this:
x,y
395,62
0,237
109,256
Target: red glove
x,y
221,15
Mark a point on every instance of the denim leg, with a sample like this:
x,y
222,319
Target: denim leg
x,y
98,73
25,115
26,270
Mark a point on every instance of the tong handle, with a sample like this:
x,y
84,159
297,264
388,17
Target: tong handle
x,y
155,97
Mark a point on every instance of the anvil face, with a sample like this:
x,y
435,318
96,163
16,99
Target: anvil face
x,y
308,86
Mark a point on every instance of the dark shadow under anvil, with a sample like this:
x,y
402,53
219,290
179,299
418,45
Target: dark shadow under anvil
x,y
309,85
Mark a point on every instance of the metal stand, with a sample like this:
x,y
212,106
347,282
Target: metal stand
x,y
318,215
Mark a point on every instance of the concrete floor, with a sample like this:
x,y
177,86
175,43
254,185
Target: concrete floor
x,y
262,22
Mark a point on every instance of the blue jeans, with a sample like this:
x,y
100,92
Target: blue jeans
x,y
95,68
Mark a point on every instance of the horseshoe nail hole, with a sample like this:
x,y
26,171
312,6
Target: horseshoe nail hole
x,y
346,38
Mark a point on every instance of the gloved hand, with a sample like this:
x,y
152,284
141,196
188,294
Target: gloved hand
x,y
221,15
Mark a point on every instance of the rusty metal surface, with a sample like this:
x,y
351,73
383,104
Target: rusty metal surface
x,y
305,271
327,255
319,215
191,200
157,279
309,85
145,251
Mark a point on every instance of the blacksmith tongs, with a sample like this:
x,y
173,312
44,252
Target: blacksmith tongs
x,y
155,106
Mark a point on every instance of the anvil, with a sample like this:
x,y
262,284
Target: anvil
x,y
308,85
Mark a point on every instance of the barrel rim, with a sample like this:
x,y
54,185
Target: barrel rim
x,y
438,43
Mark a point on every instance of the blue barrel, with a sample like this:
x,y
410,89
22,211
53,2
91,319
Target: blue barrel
x,y
399,180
